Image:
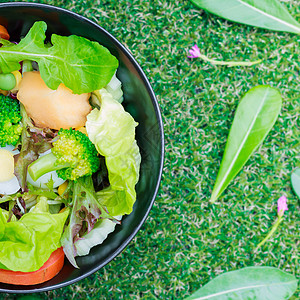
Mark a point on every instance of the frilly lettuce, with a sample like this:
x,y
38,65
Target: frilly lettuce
x,y
86,212
27,244
112,130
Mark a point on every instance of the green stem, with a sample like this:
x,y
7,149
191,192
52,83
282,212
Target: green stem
x,y
230,63
276,224
43,165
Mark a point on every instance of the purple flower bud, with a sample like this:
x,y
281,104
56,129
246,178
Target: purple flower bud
x,y
281,206
195,52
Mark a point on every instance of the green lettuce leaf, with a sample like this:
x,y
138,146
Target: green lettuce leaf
x,y
82,65
112,130
95,237
27,244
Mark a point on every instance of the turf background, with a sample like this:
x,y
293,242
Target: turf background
x,y
185,242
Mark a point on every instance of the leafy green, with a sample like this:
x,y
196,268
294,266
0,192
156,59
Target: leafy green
x,y
95,237
249,283
82,65
5,42
86,211
45,192
295,179
27,244
254,118
268,14
112,130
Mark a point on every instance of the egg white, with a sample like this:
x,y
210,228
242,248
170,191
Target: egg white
x,y
11,149
11,186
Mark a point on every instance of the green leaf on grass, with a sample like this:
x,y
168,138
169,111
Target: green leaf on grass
x,y
254,118
268,14
255,283
295,179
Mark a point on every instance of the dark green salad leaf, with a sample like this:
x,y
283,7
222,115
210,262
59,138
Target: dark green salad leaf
x,y
254,118
295,179
82,65
249,283
268,14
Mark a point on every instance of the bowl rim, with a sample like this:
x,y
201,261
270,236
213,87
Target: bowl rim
x,y
138,68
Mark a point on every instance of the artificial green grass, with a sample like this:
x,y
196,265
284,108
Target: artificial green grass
x,y
186,241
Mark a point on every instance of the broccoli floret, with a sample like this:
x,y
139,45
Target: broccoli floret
x,y
73,155
10,117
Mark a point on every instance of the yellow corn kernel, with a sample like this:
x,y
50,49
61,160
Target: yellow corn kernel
x,y
18,77
82,129
62,188
63,209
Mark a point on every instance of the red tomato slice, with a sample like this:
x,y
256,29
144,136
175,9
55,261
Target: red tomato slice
x,y
3,33
51,268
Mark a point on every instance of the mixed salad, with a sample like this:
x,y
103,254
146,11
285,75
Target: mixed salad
x,y
69,161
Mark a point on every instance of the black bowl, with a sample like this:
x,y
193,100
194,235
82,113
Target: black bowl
x,y
139,101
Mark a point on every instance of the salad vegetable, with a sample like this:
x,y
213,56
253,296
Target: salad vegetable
x,y
73,155
76,160
82,65
10,117
86,212
54,109
8,81
3,33
28,243
51,267
112,130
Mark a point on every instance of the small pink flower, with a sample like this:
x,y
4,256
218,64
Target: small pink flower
x,y
195,52
281,206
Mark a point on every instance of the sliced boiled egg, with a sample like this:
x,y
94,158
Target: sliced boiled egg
x,y
11,149
7,165
9,183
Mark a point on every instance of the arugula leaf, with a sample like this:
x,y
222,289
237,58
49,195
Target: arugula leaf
x,y
5,42
80,64
268,14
